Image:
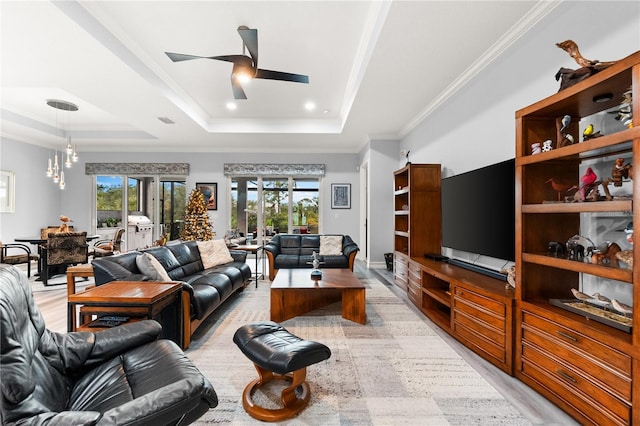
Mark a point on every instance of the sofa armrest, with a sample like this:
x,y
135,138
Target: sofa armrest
x,y
238,255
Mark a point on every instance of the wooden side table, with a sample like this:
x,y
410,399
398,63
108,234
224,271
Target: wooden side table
x,y
253,248
85,270
135,299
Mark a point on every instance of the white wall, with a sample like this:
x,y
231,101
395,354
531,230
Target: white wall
x,y
476,127
40,202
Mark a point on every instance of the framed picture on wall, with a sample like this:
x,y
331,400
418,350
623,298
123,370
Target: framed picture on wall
x,y
7,192
210,192
340,195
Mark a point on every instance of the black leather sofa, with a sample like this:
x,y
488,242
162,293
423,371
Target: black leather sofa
x,y
119,376
207,288
291,251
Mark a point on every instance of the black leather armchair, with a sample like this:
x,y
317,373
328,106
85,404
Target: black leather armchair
x,y
120,376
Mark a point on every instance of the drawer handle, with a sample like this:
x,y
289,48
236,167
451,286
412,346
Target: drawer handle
x,y
567,336
566,376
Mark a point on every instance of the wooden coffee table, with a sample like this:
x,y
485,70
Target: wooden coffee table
x,y
294,293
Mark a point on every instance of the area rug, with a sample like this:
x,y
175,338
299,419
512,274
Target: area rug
x,y
394,370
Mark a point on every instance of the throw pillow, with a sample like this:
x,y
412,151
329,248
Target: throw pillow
x,y
214,253
330,245
151,267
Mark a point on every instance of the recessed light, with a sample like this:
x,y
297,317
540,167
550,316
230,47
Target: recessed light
x,y
309,106
326,111
166,120
605,97
231,106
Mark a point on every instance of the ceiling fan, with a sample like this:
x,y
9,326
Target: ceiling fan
x,y
245,67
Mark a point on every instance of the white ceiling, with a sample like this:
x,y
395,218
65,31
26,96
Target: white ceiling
x,y
375,69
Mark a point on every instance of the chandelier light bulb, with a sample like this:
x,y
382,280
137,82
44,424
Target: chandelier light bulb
x,y
68,162
55,161
56,177
49,168
62,184
69,147
74,156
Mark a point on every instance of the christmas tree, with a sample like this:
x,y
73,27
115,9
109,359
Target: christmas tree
x,y
196,220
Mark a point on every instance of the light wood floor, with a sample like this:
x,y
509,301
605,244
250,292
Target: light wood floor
x,y
537,409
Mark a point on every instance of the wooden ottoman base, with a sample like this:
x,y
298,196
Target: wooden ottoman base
x,y
294,398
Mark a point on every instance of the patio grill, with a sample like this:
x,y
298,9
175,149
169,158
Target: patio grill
x,y
139,232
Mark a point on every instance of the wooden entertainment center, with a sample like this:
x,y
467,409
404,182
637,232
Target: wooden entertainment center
x,y
474,308
588,368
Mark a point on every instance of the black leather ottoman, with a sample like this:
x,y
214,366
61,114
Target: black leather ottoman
x,y
278,354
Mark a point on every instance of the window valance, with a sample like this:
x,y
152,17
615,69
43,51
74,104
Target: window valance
x,y
262,169
147,169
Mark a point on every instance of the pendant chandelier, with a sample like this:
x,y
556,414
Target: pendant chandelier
x,y
54,168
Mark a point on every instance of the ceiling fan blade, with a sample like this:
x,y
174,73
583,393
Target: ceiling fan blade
x,y
177,57
250,39
284,76
238,92
231,58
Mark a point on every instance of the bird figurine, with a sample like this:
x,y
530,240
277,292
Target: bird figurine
x,y
588,182
621,307
589,177
601,298
580,295
588,131
560,187
565,122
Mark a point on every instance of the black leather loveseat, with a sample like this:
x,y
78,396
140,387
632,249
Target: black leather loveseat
x,y
291,251
207,288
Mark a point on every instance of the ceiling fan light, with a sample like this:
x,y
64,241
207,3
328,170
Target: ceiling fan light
x,y
242,77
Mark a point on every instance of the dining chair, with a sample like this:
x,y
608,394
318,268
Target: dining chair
x,y
20,253
108,247
61,250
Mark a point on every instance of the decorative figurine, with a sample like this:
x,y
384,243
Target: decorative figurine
x,y
535,148
625,114
406,156
589,182
626,256
316,273
580,295
579,246
562,129
555,248
619,171
560,187
569,76
546,145
511,276
63,226
590,134
606,255
621,307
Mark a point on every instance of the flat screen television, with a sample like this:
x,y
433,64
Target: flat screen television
x,y
478,211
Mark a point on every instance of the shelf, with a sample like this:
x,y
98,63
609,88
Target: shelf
x,y
614,337
606,145
441,296
580,207
402,234
604,271
401,191
401,212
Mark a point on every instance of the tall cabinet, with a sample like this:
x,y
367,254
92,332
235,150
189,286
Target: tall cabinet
x,y
417,217
586,364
